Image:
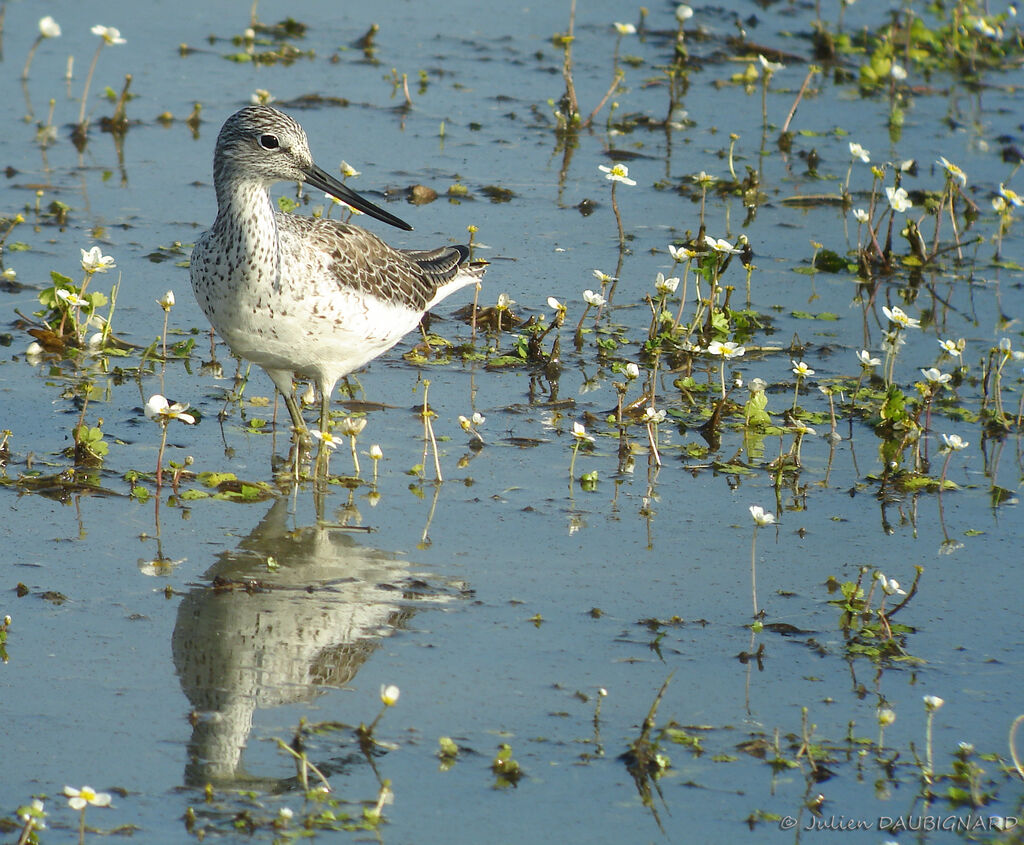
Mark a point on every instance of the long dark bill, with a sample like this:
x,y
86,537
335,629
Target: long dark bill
x,y
325,182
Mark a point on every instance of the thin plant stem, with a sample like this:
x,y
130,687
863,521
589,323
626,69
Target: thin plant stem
x,y
304,763
88,82
428,434
654,446
619,76
583,316
355,457
682,301
31,55
800,95
572,118
753,569
618,220
929,770
160,456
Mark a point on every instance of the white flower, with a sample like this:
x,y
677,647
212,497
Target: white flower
x,y
262,97
72,299
721,245
953,171
933,376
769,67
932,703
683,13
898,316
899,73
665,286
632,371
801,370
285,814
861,215
1011,196
898,199
580,433
998,204
886,716
761,516
617,173
49,28
159,409
801,428
704,179
866,360
603,277
953,347
625,28
109,34
376,453
79,798
891,587
653,416
594,299
352,426
389,694
727,350
325,437
94,261
954,442
680,253
554,304
985,28
34,813
348,171
857,151
505,302
166,301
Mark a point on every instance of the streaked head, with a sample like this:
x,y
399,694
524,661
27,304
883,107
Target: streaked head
x,y
260,143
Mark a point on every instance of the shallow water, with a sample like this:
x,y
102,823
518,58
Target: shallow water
x,y
502,600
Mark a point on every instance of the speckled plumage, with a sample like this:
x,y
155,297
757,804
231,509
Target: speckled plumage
x,y
295,295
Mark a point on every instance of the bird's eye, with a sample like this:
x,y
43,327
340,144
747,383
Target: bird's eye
x,y
268,141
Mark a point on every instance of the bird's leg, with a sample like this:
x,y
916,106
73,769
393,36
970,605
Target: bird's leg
x,y
283,381
323,454
325,407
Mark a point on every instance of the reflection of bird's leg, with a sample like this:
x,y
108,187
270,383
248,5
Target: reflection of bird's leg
x,y
323,459
318,503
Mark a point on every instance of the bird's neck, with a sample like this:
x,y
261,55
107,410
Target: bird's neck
x,y
247,226
246,210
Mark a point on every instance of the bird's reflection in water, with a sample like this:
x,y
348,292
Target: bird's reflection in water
x,y
268,634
